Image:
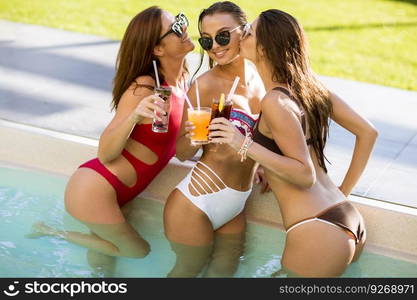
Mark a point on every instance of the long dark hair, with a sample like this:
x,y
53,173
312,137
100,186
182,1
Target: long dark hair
x,y
226,7
283,42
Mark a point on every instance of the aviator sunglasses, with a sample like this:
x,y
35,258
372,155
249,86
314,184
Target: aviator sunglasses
x,y
176,27
222,38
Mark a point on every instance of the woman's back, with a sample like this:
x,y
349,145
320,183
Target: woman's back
x,y
299,203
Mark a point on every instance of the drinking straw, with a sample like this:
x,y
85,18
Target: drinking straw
x,y
156,73
188,101
197,94
233,89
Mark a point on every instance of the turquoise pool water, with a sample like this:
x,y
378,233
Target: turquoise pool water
x,y
28,196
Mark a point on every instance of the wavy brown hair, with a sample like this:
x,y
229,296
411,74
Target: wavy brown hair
x,y
136,51
225,7
281,38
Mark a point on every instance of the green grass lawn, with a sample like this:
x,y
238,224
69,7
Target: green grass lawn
x,y
366,40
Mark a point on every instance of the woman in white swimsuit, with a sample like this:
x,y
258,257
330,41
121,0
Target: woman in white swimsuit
x,y
203,216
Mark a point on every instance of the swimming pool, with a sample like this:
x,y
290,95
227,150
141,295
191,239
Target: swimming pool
x,y
27,196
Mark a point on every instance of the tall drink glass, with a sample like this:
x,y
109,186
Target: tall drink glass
x,y
201,120
220,108
221,111
162,126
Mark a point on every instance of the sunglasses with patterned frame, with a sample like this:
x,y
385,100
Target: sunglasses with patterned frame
x,y
177,26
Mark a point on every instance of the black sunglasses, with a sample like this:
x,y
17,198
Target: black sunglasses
x,y
222,38
176,27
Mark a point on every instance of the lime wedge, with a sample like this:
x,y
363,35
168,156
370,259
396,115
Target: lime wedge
x,y
221,102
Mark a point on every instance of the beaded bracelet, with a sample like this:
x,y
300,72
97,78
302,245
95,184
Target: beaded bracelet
x,y
248,144
245,147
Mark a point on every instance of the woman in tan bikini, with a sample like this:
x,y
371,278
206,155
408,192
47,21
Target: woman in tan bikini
x,y
325,232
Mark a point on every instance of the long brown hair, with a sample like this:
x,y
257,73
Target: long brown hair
x,y
283,43
225,7
136,51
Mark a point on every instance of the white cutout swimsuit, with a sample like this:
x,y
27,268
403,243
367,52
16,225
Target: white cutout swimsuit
x,y
218,201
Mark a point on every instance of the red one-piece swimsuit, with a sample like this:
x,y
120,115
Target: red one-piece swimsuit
x,y
162,144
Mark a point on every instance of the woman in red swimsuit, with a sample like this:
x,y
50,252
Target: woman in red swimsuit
x,y
130,154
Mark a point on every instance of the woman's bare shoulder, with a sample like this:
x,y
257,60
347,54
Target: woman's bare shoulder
x,y
208,82
144,81
141,87
207,77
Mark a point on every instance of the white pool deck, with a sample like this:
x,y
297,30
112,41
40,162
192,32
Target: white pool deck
x,y
61,81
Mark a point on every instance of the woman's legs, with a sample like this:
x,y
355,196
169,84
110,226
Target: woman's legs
x,y
92,200
192,239
190,260
190,233
361,243
109,239
229,243
102,264
317,249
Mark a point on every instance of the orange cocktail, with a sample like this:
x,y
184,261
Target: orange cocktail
x,y
201,120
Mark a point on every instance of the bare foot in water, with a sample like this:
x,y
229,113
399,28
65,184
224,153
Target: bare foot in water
x,y
40,229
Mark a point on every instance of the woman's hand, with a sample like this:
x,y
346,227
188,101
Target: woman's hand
x,y
260,178
189,127
223,131
147,108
